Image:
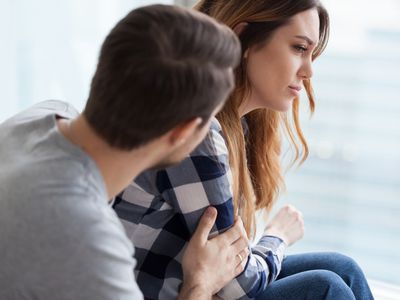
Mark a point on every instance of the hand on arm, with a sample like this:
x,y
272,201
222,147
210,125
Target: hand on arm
x,y
208,167
208,265
288,225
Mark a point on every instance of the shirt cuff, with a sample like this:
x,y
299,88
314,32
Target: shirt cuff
x,y
274,244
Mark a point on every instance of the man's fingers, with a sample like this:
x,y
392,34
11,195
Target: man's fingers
x,y
242,256
240,267
233,233
240,245
243,232
205,225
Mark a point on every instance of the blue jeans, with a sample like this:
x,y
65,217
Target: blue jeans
x,y
318,276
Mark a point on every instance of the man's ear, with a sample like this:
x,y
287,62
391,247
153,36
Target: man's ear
x,y
238,29
182,132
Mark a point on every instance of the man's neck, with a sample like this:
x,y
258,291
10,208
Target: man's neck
x,y
118,167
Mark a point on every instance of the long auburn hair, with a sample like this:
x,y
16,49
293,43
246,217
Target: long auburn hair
x,y
254,157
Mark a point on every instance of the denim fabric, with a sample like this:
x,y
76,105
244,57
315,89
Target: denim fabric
x,y
317,276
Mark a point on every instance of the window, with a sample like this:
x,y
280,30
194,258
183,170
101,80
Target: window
x,y
50,48
348,189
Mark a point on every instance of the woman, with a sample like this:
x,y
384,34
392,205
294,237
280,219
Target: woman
x,y
237,167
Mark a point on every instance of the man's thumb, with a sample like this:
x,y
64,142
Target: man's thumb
x,y
205,225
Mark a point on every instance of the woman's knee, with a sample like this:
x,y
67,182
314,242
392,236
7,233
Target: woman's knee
x,y
328,285
346,267
342,259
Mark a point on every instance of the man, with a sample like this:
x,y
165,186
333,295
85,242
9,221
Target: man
x,y
163,72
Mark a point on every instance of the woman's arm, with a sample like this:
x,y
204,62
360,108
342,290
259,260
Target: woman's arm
x,y
204,179
162,209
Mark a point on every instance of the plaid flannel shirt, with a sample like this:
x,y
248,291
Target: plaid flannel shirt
x,y
161,210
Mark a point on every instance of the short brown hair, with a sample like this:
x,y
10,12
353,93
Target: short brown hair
x,y
158,67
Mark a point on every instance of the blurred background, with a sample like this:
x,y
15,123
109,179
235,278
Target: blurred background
x,y
348,189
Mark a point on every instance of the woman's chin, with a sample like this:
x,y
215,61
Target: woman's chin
x,y
283,106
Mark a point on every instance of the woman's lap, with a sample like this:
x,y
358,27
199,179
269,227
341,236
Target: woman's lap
x,y
314,284
332,261
317,276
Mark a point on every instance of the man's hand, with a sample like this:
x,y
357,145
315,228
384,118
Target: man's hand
x,y
208,265
288,225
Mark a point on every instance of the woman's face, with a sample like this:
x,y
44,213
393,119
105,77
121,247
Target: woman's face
x,y
276,70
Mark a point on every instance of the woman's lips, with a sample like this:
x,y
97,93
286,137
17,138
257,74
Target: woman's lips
x,y
295,90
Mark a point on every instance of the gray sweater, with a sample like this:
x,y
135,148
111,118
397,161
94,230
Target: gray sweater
x,y
59,237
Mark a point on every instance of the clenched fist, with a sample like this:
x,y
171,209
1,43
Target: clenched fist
x,y
288,225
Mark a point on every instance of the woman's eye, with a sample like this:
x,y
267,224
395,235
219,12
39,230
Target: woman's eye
x,y
300,48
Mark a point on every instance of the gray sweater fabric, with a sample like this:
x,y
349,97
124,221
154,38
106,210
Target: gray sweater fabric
x,y
59,237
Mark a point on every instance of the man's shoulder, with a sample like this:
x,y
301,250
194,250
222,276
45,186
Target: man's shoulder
x,y
61,108
58,107
41,109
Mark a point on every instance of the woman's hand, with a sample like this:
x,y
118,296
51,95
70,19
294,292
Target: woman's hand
x,y
209,265
288,225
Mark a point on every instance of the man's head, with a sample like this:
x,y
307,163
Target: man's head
x,y
159,68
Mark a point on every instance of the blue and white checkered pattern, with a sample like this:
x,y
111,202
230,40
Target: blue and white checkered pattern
x,y
162,208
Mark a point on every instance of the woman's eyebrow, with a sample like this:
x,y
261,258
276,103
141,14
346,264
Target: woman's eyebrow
x,y
307,39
